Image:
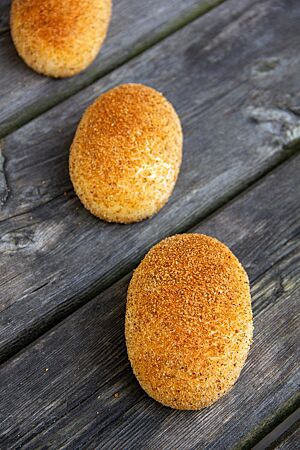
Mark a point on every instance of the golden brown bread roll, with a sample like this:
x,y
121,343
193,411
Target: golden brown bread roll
x,y
188,321
59,38
126,154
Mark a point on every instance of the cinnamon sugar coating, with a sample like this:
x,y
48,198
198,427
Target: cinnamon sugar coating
x,y
126,154
59,38
188,321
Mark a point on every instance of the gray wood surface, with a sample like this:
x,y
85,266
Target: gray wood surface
x,y
73,388
135,25
236,98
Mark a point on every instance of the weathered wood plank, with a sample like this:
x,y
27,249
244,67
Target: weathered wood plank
x,y
60,390
4,15
57,256
291,440
135,25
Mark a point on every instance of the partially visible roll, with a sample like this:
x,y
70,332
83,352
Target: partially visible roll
x,y
59,38
188,321
126,154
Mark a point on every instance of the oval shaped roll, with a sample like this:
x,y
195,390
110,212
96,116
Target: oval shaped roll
x,y
188,321
59,38
126,154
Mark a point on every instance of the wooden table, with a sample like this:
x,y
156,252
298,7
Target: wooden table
x,y
232,70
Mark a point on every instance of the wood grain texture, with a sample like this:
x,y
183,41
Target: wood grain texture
x,y
54,255
135,25
73,388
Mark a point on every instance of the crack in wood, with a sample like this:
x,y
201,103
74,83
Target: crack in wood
x,y
4,190
40,287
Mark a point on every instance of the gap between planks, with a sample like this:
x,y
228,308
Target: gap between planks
x,y
289,441
4,16
97,71
278,431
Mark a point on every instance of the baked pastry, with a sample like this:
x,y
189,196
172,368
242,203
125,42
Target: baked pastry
x,y
126,154
59,38
188,321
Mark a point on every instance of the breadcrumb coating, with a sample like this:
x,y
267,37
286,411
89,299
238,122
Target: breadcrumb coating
x,y
188,321
59,38
126,154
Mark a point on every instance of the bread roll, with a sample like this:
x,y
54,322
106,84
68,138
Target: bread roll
x,y
59,38
188,321
126,154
